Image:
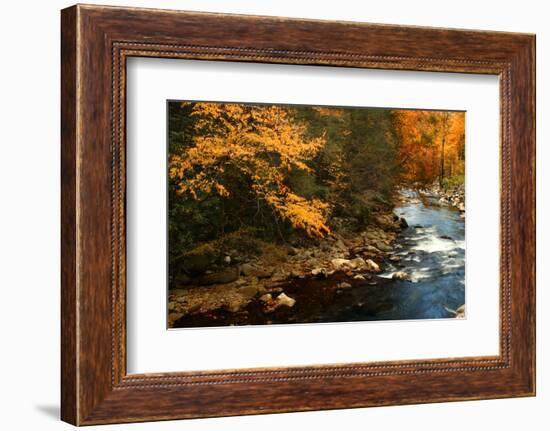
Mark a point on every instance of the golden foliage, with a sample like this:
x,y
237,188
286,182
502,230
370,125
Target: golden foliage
x,y
432,143
260,143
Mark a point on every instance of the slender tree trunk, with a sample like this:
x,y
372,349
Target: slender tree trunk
x,y
442,169
443,138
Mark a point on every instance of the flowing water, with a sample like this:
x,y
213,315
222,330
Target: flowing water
x,y
432,251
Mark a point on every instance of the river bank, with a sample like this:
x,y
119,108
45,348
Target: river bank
x,y
366,275
268,279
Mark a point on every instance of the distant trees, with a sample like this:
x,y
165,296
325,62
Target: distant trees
x,y
432,144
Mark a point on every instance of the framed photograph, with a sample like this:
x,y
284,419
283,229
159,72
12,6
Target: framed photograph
x,y
265,215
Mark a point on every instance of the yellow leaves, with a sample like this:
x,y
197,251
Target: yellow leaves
x,y
308,215
261,143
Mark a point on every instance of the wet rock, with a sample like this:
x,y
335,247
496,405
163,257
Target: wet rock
x,y
344,285
222,277
383,246
285,300
403,223
197,263
227,260
266,298
459,313
358,263
295,273
339,263
372,235
173,317
247,269
388,221
348,265
394,258
372,250
319,272
446,237
263,272
280,276
253,290
372,266
359,277
400,275
234,305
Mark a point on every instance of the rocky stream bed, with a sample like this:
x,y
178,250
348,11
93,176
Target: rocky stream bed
x,y
408,264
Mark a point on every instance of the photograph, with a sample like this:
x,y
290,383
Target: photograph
x,y
285,214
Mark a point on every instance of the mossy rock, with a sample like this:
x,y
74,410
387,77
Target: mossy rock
x,y
197,263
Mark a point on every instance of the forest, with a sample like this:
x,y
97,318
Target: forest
x,y
252,185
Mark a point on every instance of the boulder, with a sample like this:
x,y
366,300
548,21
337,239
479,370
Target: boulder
x,y
249,269
295,273
228,275
388,221
173,317
371,249
400,275
358,263
372,266
266,298
338,264
383,246
319,272
196,264
283,299
249,291
372,235
461,311
403,223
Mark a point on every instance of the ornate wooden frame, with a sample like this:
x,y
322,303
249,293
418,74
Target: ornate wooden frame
x,y
95,43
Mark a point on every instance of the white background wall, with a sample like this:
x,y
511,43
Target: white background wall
x,y
29,214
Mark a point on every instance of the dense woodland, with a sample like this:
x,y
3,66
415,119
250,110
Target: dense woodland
x,y
293,174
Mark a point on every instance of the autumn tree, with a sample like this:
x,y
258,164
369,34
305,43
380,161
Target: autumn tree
x,y
258,145
431,144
